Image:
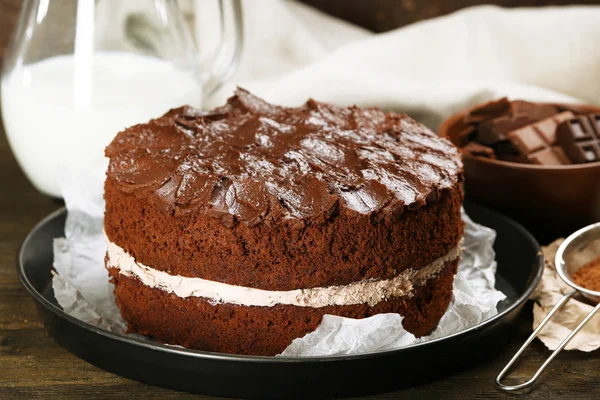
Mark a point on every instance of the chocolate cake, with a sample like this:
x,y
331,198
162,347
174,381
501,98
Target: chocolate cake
x,y
235,230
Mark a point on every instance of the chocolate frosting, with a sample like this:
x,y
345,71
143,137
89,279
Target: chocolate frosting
x,y
250,161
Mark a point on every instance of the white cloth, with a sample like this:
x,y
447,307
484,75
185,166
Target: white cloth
x,y
430,69
281,36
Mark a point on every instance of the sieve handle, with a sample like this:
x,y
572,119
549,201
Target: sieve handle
x,y
530,382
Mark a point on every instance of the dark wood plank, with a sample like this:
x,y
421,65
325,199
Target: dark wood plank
x,y
32,365
384,15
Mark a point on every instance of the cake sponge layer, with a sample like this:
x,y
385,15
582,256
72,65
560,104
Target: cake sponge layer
x,y
346,249
195,323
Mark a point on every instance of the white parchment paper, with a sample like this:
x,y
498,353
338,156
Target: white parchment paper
x,y
82,288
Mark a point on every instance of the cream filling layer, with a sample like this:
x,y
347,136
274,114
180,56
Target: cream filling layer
x,y
370,292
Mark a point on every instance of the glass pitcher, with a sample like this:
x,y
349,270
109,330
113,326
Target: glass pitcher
x,y
79,71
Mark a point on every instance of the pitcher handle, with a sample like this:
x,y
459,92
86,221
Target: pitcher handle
x,y
212,73
227,58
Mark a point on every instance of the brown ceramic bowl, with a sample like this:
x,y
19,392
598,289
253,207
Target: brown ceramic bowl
x,y
551,201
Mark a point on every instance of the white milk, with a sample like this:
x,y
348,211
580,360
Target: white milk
x,y
46,127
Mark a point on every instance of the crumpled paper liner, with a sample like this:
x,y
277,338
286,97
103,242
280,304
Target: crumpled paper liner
x,y
549,292
82,288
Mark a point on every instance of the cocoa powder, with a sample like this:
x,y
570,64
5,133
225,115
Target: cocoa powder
x,y
588,276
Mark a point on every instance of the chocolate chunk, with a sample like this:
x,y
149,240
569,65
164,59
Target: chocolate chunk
x,y
535,111
549,156
506,148
495,130
595,121
489,135
477,149
580,129
591,152
537,136
580,138
547,127
489,110
516,158
577,109
526,132
527,139
466,135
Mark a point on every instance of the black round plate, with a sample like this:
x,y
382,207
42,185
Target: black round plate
x,y
520,267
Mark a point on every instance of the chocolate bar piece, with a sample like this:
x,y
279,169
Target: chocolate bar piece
x,y
577,109
489,110
477,149
494,131
535,111
540,137
580,138
515,158
466,135
507,151
549,156
526,132
527,140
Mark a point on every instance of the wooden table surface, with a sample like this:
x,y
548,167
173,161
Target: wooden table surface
x,y
32,365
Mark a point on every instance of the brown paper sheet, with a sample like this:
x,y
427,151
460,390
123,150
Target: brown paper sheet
x,y
547,294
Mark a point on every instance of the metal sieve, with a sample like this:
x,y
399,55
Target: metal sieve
x,y
578,249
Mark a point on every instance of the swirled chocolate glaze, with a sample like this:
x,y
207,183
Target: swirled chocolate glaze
x,y
250,161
